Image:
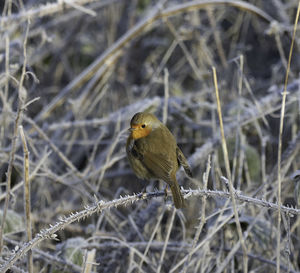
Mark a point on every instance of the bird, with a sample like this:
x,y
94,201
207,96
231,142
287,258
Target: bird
x,y
153,153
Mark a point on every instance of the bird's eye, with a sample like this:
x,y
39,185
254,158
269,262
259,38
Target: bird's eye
x,y
144,125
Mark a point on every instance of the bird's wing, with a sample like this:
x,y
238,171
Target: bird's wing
x,y
159,164
132,149
183,162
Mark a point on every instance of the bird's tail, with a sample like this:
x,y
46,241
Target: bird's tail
x,y
177,196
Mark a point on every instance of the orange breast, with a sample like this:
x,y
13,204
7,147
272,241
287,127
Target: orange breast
x,y
140,132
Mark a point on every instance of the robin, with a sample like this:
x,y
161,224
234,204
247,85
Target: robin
x,y
153,153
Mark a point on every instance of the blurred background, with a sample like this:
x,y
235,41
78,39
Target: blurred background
x,y
90,66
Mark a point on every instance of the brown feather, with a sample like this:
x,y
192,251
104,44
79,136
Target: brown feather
x,y
153,153
183,162
177,196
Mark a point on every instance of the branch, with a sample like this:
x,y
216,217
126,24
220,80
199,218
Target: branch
x,y
100,206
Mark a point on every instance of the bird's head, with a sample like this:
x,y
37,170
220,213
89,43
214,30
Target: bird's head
x,y
142,124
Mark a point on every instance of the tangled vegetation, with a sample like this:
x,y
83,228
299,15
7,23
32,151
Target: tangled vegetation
x,y
73,73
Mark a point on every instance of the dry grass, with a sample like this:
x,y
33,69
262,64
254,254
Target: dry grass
x,y
73,73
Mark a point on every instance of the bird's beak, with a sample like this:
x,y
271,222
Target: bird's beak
x,y
132,127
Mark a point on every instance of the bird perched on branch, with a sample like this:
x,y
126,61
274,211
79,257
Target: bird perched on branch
x,y
153,153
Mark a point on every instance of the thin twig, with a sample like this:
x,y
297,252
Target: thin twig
x,y
21,100
89,261
284,95
49,9
158,224
27,198
166,98
169,226
210,235
227,166
202,218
